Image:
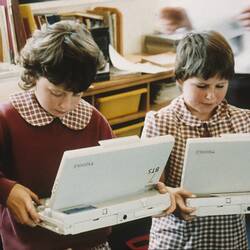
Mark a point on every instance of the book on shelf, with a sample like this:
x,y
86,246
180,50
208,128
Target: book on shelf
x,y
28,19
12,30
107,22
12,45
167,93
114,29
112,18
48,18
18,25
89,19
164,91
6,55
40,19
101,37
52,18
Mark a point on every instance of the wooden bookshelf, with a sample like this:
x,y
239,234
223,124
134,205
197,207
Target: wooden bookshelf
x,y
113,87
21,20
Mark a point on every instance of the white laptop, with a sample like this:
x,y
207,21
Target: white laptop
x,y
108,184
217,171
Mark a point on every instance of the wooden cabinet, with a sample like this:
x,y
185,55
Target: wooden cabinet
x,y
126,85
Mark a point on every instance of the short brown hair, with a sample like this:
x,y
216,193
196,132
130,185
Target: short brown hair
x,y
64,53
204,55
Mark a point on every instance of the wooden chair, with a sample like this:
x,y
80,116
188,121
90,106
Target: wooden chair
x,y
118,24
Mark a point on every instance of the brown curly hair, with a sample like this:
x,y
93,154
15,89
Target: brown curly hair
x,y
64,53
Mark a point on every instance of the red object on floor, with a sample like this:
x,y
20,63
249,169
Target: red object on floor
x,y
138,243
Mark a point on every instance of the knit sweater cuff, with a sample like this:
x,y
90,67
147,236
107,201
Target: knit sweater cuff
x,y
5,187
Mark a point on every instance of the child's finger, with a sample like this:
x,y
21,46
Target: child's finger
x,y
183,207
161,187
31,210
172,206
34,197
164,189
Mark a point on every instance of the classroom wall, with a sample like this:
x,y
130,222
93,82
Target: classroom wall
x,y
208,13
139,20
138,16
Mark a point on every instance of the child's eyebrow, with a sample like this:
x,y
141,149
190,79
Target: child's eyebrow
x,y
222,82
56,89
201,83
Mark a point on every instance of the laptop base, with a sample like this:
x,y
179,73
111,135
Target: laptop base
x,y
79,220
220,204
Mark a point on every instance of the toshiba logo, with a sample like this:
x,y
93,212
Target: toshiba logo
x,y
84,164
199,152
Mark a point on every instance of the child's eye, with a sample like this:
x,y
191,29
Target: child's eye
x,y
220,86
201,86
57,94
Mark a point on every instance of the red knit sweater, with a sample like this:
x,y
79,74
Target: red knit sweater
x,y
30,155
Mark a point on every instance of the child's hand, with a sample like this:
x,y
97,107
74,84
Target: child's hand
x,y
244,18
177,198
174,18
21,204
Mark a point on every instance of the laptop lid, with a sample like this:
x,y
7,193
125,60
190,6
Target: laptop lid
x,y
217,165
95,174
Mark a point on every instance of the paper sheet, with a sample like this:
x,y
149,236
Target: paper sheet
x,y
123,64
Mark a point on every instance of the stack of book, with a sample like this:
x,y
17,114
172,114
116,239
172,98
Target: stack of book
x,y
160,43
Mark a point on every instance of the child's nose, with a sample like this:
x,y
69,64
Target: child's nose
x,y
210,95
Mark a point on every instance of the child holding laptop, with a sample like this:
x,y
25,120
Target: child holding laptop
x,y
59,63
204,65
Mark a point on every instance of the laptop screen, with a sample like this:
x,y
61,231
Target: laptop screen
x,y
96,174
217,165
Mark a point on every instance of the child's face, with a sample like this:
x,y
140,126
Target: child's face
x,y
203,96
55,99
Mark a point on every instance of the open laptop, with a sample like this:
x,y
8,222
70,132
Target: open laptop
x,y
217,171
108,184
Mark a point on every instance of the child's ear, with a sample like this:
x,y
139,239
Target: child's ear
x,y
179,84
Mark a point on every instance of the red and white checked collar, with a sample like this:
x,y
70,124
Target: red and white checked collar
x,y
30,110
188,118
